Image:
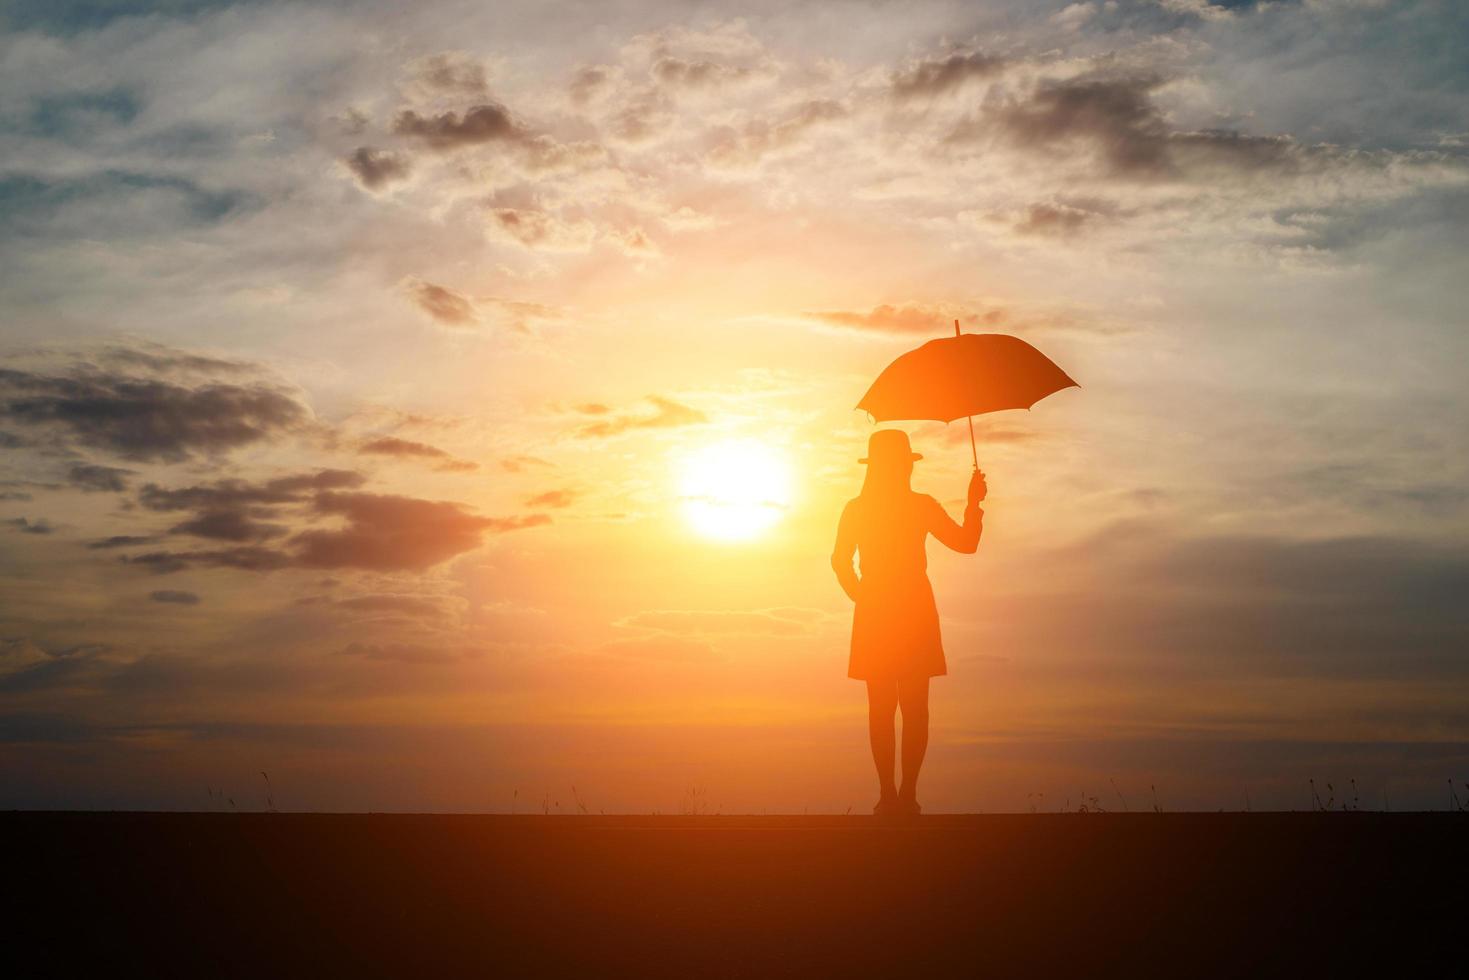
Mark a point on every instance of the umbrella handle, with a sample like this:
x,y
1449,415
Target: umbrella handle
x,y
972,451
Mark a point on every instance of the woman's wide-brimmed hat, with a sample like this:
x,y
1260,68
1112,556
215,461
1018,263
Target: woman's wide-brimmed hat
x,y
888,445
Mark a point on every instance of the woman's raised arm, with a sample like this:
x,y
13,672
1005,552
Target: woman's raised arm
x,y
961,538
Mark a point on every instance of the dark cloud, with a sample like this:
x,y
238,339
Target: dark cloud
x,y
237,510
376,169
1118,119
248,558
175,597
148,419
25,526
1116,115
123,541
941,74
381,532
388,533
393,446
228,525
666,414
443,304
235,494
483,123
91,478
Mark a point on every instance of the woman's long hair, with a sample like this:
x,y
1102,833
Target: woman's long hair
x,y
887,479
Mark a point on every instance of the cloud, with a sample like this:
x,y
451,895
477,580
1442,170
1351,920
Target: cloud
x,y
760,138
1118,119
148,419
942,74
407,448
451,72
237,510
666,414
644,118
249,558
1143,599
393,446
442,303
175,597
232,494
541,230
921,318
701,73
408,653
24,526
1060,219
695,622
519,464
588,83
376,169
405,605
123,541
1115,115
388,533
228,525
113,203
91,478
484,123
156,359
553,499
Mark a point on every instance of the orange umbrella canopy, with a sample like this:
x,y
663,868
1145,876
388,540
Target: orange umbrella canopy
x,y
968,374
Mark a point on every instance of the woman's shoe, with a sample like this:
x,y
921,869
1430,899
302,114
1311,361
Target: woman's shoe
x,y
907,808
887,807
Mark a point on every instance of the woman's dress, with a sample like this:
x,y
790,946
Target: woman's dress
x,y
895,624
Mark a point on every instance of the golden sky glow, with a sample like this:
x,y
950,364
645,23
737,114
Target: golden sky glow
x,y
425,405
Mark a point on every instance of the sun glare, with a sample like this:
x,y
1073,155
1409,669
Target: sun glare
x,y
734,490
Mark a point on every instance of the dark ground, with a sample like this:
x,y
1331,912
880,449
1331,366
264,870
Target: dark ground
x,y
1177,895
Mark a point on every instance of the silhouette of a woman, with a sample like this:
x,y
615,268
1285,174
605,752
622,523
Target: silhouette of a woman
x,y
896,646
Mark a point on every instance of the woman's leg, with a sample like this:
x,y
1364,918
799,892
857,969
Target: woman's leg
x,y
882,704
913,695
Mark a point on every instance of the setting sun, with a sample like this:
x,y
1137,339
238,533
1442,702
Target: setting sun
x,y
733,490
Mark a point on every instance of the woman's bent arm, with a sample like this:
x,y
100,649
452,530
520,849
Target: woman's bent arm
x,y
843,552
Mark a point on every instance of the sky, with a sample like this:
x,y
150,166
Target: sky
x,y
355,359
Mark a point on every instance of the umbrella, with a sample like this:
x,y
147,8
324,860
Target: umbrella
x,y
963,375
